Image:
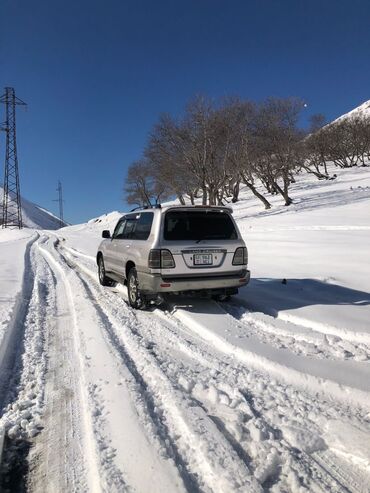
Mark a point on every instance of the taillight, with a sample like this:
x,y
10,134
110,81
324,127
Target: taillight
x,y
160,259
154,260
240,256
167,261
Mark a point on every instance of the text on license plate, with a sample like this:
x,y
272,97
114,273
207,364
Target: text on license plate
x,y
202,259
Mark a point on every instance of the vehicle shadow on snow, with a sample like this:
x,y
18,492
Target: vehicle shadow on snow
x,y
274,295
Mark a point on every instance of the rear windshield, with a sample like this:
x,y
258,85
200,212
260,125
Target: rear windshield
x,y
198,225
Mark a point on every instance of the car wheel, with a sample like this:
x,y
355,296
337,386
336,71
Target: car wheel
x,y
135,298
103,279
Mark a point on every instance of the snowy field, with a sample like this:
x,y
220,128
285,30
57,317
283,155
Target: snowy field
x,y
269,392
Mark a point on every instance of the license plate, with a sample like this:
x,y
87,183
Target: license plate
x,y
202,259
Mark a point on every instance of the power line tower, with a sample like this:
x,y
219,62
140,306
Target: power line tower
x,y
60,200
12,211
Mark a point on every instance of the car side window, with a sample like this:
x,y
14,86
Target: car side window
x,y
143,226
117,234
129,229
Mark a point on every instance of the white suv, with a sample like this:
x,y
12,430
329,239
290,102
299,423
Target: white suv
x,y
174,249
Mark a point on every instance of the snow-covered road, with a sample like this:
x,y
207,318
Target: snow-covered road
x,y
196,396
192,398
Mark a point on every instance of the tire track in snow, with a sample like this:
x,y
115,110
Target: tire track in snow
x,y
148,320
155,338
298,339
338,469
346,381
107,381
342,333
23,416
200,445
320,465
62,440
352,478
307,336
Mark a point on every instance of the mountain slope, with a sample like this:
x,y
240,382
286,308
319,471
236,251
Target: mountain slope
x,y
362,111
34,216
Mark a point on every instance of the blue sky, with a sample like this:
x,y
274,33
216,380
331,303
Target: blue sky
x,y
97,74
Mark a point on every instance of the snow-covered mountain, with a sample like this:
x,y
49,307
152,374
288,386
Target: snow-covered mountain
x,y
34,216
361,111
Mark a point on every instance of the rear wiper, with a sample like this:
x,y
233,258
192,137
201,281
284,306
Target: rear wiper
x,y
213,237
204,238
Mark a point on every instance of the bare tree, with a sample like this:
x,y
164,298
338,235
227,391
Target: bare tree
x,y
359,135
341,148
214,148
316,149
279,154
167,154
141,188
317,121
345,143
191,154
240,117
209,140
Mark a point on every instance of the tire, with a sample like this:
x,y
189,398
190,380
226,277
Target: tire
x,y
103,279
135,298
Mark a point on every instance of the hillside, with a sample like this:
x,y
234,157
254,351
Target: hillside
x,y
35,216
360,111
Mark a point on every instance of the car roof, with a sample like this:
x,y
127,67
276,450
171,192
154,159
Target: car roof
x,y
165,208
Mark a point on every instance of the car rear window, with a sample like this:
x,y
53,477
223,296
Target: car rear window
x,y
198,225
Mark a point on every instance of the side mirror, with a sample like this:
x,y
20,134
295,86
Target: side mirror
x,y
106,233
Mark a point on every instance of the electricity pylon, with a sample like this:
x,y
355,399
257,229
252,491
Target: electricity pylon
x,y
60,200
12,207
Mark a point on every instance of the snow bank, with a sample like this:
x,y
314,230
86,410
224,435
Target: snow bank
x,y
13,244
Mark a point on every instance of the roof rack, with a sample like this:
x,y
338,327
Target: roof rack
x,y
156,206
199,206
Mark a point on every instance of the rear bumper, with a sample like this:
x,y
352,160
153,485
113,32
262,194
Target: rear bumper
x,y
155,283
